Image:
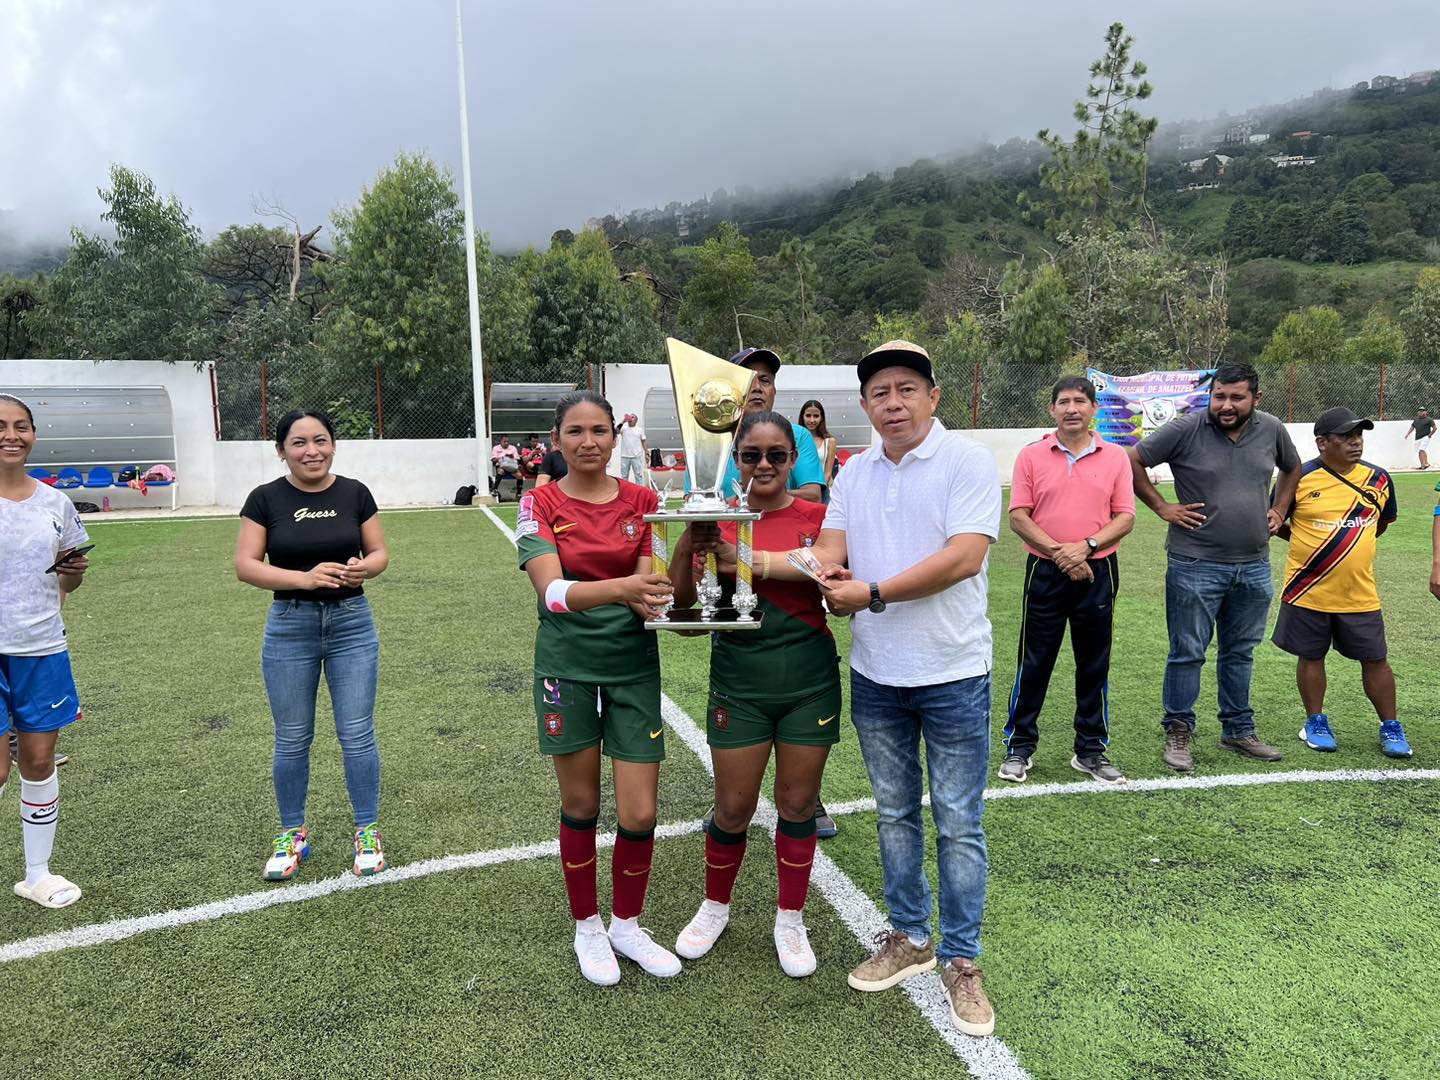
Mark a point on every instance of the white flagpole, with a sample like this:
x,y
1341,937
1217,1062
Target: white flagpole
x,y
477,366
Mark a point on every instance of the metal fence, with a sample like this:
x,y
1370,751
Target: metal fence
x,y
371,401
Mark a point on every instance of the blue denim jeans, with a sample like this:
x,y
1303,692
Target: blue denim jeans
x,y
1201,598
954,718
302,637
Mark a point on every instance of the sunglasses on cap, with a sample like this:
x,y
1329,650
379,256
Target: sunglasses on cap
x,y
774,457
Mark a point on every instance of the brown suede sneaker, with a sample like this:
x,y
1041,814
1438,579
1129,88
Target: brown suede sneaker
x,y
1251,746
970,1009
1177,749
895,960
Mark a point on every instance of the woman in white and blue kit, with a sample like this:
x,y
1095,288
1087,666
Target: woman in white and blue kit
x,y
38,527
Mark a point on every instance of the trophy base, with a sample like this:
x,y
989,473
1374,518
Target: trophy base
x,y
689,619
684,516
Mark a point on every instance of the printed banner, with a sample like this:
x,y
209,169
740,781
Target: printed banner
x,y
1132,406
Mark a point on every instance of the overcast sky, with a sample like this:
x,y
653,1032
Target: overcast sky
x,y
585,107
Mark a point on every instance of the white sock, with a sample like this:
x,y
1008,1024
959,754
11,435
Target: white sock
x,y
39,810
624,928
917,942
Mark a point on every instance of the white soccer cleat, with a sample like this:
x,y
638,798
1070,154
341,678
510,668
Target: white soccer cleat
x,y
634,942
792,944
592,948
701,932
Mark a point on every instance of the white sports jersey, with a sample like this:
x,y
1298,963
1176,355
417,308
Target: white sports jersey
x,y
33,532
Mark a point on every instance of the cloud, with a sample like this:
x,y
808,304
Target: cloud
x,y
579,109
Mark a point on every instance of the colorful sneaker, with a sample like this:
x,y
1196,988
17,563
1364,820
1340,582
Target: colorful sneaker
x,y
1015,768
792,944
632,941
1392,739
292,847
1316,733
1099,767
895,960
592,948
369,857
701,932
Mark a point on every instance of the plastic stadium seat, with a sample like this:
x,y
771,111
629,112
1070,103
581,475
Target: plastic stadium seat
x,y
100,477
45,476
69,478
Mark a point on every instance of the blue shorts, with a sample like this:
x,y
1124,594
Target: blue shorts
x,y
37,693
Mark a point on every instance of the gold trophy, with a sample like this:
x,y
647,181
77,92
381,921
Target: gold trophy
x,y
709,399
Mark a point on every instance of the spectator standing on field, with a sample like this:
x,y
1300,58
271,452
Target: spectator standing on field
x,y
1422,427
1217,577
914,519
1071,501
1341,508
633,450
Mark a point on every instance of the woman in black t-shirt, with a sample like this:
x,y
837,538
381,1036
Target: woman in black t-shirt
x,y
312,538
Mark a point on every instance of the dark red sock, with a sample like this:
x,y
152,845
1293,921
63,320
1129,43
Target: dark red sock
x,y
723,854
630,872
577,857
794,854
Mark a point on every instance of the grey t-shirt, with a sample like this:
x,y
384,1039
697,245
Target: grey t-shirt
x,y
1232,479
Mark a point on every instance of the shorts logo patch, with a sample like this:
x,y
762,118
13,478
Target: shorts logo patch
x,y
554,724
722,719
827,720
630,528
554,692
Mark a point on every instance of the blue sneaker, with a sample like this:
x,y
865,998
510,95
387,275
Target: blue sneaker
x,y
1392,739
1316,733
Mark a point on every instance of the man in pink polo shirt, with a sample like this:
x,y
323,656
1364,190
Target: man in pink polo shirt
x,y
1071,501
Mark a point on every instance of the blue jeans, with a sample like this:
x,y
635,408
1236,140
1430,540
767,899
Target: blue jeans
x,y
301,638
954,717
1202,597
633,469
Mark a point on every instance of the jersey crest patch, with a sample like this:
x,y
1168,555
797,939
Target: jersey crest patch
x,y
630,528
807,539
554,724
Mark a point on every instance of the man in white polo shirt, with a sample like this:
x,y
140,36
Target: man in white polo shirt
x,y
913,519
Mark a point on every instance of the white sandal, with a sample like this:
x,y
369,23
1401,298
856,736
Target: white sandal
x,y
44,891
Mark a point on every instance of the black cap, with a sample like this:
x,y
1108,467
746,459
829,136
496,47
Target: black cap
x,y
1341,421
757,356
894,354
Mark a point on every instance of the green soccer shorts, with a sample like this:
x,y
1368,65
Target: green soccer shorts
x,y
623,719
732,721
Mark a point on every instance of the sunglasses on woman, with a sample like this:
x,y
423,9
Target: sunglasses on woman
x,y
774,457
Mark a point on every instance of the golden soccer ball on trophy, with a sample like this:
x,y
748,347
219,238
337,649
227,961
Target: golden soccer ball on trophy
x,y
716,405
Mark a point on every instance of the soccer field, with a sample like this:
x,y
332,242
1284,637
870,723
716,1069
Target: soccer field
x,y
1281,924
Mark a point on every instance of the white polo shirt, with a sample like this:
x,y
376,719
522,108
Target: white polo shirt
x,y
893,516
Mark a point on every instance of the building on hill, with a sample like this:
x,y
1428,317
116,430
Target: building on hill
x,y
1422,78
1383,82
1190,140
1361,86
1290,161
1238,133
1258,138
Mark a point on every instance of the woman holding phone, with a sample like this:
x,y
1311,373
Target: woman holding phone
x,y
42,557
775,687
585,544
313,538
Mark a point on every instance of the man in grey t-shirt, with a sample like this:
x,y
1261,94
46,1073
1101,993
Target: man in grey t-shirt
x,y
1217,576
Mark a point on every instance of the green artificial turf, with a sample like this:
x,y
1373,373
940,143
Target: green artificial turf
x,y
1279,931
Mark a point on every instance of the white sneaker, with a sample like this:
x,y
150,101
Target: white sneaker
x,y
634,942
792,944
592,947
369,855
701,932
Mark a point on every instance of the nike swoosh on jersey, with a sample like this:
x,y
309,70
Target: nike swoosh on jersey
x,y
561,528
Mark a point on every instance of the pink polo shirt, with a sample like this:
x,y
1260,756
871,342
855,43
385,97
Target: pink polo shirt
x,y
1072,498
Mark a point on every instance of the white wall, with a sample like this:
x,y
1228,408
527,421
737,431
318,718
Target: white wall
x,y
190,404
398,472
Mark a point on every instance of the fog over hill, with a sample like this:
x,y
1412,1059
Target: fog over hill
x,y
578,110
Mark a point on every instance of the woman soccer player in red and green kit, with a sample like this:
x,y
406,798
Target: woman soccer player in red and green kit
x,y
585,544
778,686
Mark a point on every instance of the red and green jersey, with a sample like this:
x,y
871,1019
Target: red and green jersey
x,y
595,542
792,655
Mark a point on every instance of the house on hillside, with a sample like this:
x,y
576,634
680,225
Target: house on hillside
x,y
1302,134
1238,133
1383,82
1290,161
1361,86
1422,78
1259,137
1189,140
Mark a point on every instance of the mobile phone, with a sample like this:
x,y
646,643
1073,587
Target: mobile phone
x,y
71,555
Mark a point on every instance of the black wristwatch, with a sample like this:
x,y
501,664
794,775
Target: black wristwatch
x,y
1092,544
876,604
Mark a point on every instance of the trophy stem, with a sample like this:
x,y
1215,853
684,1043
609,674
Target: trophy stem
x,y
710,590
660,560
745,598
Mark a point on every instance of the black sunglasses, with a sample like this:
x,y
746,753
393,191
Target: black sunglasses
x,y
774,457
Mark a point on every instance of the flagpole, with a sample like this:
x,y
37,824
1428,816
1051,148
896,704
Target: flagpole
x,y
477,366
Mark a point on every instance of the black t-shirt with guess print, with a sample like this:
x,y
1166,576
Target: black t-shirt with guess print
x,y
306,528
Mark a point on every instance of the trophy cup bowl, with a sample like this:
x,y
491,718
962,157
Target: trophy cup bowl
x,y
709,400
